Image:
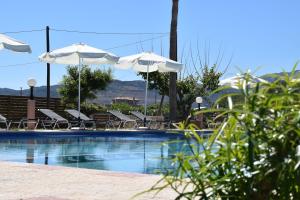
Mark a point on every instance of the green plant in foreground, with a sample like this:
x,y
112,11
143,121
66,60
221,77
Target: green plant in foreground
x,y
255,154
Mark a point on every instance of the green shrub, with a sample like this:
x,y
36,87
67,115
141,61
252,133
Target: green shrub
x,y
126,108
153,109
255,154
91,108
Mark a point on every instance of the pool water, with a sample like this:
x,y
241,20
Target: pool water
x,y
141,153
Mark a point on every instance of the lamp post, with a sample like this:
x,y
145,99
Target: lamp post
x,y
31,105
31,83
199,100
199,116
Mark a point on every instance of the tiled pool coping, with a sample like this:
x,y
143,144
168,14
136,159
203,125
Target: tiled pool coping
x,y
39,182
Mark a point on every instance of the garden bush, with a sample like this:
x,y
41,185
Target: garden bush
x,y
254,154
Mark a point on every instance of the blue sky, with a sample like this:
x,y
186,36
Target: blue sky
x,y
260,35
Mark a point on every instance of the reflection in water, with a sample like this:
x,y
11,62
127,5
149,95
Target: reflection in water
x,y
46,158
30,151
132,154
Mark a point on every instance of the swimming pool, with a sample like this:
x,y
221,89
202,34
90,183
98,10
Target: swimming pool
x,y
142,152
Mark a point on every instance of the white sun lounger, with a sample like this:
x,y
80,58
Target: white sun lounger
x,y
53,120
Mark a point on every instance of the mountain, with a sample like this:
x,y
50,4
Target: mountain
x,y
119,88
126,89
38,91
116,88
271,77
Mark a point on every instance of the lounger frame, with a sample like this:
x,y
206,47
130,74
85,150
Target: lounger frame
x,y
4,121
123,120
83,121
53,120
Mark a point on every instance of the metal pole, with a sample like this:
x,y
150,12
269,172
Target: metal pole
x,y
31,92
48,66
146,97
144,156
79,68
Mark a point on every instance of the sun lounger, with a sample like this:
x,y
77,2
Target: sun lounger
x,y
123,120
84,120
10,123
101,119
24,122
53,120
4,121
155,122
141,117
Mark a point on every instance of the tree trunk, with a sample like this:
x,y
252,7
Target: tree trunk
x,y
173,56
160,105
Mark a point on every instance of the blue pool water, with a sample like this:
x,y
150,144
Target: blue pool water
x,y
142,152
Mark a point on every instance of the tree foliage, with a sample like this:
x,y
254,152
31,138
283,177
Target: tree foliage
x,y
209,79
188,89
91,82
201,83
158,81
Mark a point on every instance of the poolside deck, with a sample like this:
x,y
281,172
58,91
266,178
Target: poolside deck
x,y
40,182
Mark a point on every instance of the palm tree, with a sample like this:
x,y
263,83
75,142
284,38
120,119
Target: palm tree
x,y
173,56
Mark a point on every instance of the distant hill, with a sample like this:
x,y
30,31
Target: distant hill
x,y
116,88
38,91
119,88
126,89
271,77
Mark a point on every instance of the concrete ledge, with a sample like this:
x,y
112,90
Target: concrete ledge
x,y
24,181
